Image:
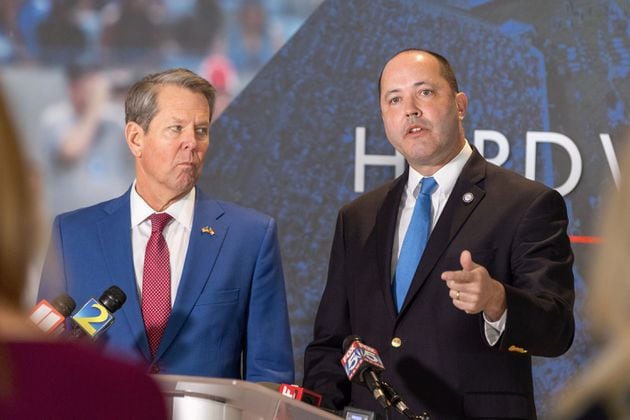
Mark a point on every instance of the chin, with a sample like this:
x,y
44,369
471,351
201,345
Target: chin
x,y
416,156
184,185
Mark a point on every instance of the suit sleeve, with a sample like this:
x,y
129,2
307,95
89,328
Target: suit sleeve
x,y
268,351
540,296
53,279
323,372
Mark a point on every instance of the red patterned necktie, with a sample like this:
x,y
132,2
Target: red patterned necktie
x,y
156,282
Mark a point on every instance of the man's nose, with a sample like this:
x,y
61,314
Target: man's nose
x,y
413,111
188,140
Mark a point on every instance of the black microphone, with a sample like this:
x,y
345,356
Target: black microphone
x,y
50,316
363,365
95,317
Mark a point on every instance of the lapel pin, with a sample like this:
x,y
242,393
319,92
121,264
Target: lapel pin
x,y
208,230
468,197
517,349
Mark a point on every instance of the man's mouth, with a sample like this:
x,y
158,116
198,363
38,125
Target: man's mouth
x,y
415,129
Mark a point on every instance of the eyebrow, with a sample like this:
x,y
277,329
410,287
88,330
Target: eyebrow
x,y
396,90
177,120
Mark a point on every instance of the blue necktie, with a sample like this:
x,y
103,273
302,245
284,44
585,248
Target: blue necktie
x,y
415,241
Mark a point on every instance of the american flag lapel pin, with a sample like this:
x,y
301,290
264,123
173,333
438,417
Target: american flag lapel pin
x,y
208,230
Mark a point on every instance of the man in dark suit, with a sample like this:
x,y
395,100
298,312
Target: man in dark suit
x,y
203,278
493,287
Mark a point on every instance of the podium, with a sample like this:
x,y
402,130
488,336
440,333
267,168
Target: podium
x,y
199,398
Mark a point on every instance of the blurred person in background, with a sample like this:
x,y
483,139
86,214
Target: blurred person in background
x,y
83,136
218,69
251,42
40,378
60,37
602,389
8,12
133,31
196,31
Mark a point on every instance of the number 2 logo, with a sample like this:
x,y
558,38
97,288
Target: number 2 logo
x,y
86,322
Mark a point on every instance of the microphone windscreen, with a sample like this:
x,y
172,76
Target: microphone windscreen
x,y
113,298
347,342
64,304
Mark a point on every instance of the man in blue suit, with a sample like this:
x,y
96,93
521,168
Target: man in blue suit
x,y
205,292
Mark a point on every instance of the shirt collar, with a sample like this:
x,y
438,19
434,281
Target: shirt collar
x,y
181,210
445,177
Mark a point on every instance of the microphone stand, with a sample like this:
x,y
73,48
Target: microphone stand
x,y
373,383
397,402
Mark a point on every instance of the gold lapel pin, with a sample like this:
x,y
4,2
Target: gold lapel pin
x,y
517,349
208,230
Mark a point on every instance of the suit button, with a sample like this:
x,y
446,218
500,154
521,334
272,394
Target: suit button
x,y
154,369
396,342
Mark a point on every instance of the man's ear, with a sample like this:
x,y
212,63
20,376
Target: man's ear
x,y
462,104
134,134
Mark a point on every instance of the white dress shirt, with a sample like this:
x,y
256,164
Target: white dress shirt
x,y
176,233
445,177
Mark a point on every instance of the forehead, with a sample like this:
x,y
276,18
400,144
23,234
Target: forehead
x,y
175,99
410,67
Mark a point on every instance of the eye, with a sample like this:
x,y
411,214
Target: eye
x,y
201,131
425,92
175,128
394,100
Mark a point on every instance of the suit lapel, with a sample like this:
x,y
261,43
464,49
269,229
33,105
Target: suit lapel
x,y
209,230
115,234
384,230
453,217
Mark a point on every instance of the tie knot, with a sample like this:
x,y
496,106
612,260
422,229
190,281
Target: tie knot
x,y
428,185
159,221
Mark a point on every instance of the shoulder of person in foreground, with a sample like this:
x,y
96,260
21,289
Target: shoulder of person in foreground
x,y
71,380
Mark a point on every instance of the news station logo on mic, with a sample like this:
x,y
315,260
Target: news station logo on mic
x,y
93,318
356,355
296,392
47,318
50,316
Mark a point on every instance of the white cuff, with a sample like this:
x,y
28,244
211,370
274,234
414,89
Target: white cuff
x,y
494,329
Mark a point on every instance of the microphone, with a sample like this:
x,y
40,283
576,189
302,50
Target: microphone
x,y
95,316
295,392
50,316
363,365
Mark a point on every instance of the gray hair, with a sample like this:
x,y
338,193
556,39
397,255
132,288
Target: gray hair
x,y
141,102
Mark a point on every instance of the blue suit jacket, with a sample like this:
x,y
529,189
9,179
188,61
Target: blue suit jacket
x,y
231,298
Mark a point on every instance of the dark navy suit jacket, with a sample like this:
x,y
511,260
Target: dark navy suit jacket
x,y
514,227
